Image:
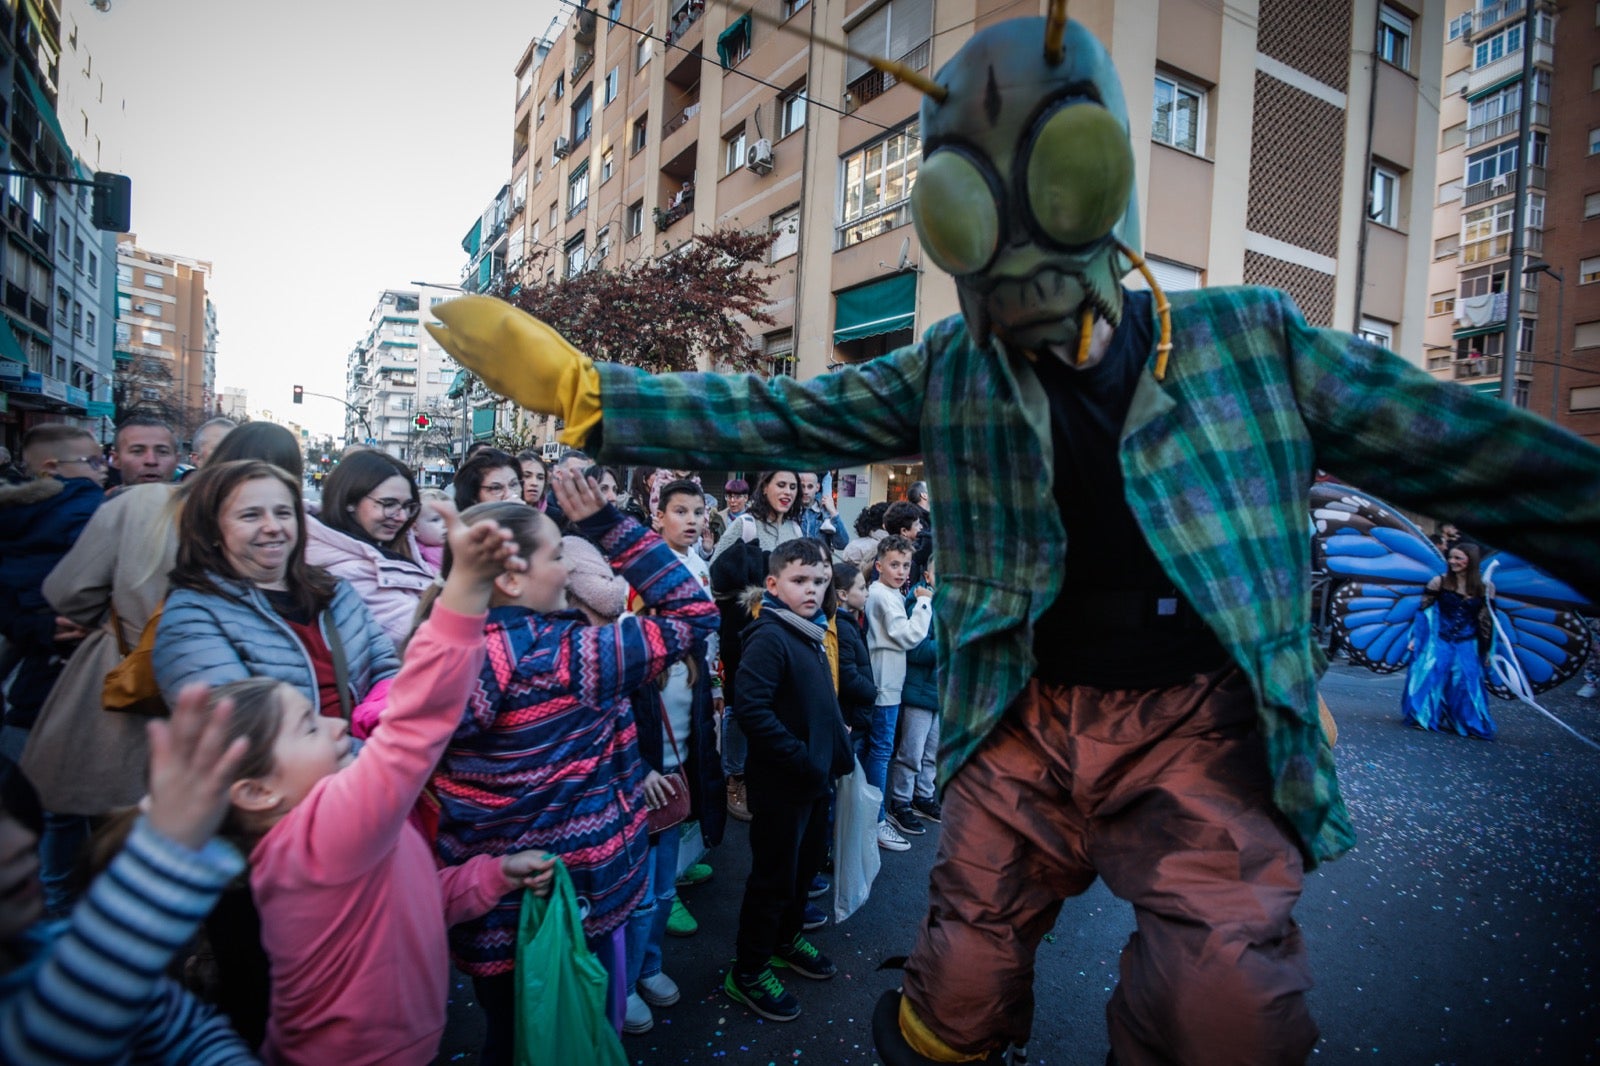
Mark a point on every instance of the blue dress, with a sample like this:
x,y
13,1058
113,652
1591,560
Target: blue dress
x,y
1444,687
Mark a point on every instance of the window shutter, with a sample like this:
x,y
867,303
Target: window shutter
x,y
910,23
870,35
1174,277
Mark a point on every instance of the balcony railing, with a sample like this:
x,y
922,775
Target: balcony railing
x,y
1493,14
1505,126
1504,185
868,226
584,61
681,204
874,83
686,17
680,120
518,150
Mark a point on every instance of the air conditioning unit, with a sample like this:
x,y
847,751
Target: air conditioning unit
x,y
562,148
758,159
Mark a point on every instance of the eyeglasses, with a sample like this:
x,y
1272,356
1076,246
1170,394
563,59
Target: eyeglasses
x,y
397,507
500,490
94,462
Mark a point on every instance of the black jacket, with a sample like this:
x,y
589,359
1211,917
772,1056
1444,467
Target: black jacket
x,y
789,713
857,690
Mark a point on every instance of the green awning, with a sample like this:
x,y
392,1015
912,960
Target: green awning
x,y
1479,331
485,272
10,347
1487,388
470,242
737,34
459,384
1479,94
46,112
483,423
878,307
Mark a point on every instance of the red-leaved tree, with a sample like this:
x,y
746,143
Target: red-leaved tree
x,y
661,314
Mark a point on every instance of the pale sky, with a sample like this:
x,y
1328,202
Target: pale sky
x,y
316,152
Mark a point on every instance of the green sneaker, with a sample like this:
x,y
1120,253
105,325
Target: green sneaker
x,y
694,875
762,993
801,956
680,922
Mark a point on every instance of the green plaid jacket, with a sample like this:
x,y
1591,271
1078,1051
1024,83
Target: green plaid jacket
x,y
1217,462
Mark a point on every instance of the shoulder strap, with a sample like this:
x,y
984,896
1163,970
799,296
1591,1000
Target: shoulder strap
x,y
116,629
341,666
666,720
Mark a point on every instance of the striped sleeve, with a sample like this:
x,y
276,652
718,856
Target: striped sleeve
x,y
100,989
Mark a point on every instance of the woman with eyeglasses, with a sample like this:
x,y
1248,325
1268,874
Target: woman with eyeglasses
x,y
490,476
364,535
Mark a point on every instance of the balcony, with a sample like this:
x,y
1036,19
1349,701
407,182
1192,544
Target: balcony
x,y
1508,67
681,205
680,120
685,17
1485,367
584,61
1491,15
874,83
1504,185
871,225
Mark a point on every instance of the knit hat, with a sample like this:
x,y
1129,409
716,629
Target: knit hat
x,y
738,486
590,579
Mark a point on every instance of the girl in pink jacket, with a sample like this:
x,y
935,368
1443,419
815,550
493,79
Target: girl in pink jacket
x,y
353,908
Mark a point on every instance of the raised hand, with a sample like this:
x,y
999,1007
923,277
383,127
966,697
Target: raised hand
x,y
578,496
191,766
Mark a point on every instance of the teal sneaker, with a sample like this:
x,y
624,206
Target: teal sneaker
x,y
762,993
694,875
680,922
801,956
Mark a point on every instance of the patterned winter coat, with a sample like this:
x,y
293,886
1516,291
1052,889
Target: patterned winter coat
x,y
547,753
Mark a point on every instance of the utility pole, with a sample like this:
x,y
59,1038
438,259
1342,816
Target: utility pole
x,y
1519,209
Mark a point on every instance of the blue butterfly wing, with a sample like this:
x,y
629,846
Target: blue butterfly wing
x,y
1539,618
1385,562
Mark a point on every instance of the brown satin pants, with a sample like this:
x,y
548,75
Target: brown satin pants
x,y
1166,795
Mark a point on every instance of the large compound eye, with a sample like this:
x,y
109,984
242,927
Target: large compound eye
x,y
954,208
1080,174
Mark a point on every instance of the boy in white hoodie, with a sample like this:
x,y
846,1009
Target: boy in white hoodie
x,y
890,634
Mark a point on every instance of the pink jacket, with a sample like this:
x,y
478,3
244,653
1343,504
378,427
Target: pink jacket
x,y
353,908
391,588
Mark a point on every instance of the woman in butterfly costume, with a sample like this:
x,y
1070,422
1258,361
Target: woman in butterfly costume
x,y
1142,707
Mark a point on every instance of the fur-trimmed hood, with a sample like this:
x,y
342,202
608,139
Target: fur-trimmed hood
x,y
27,493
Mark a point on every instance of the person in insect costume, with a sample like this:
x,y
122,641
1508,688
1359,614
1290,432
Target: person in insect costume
x,y
1127,664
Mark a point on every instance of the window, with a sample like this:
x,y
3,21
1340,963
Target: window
x,y
614,10
63,306
1591,205
1446,247
1443,303
1376,331
1175,277
896,30
608,162
63,233
1589,270
89,326
791,6
1495,48
94,270
641,48
734,44
559,89
150,336
576,257
1491,163
519,192
1486,232
1594,141
514,249
1394,37
539,116
635,218
777,348
1586,398
733,151
154,281
791,111
786,226
524,83
578,190
538,171
124,274
1586,335
582,114
641,132
602,244
1383,203
877,179
613,82
554,209
1178,115
1460,26
124,304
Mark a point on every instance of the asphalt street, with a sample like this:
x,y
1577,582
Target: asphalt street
x,y
1463,928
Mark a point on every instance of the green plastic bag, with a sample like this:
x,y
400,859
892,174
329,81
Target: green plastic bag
x,y
561,986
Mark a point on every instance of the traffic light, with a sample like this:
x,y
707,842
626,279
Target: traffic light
x,y
422,422
112,205
299,394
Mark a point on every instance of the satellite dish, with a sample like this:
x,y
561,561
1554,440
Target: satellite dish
x,y
905,253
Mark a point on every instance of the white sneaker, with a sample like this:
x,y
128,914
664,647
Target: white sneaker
x,y
1587,691
637,1019
658,990
889,839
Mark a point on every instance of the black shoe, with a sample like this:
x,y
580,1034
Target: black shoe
x,y
762,993
804,959
905,819
891,1043
929,809
813,918
820,886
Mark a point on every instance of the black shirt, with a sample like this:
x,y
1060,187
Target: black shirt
x,y
1119,622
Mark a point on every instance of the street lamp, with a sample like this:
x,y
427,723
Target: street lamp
x,y
1539,266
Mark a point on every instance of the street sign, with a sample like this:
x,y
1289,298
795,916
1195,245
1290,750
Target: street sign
x,y
422,421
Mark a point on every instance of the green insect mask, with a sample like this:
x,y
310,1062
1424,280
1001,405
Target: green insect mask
x,y
1025,191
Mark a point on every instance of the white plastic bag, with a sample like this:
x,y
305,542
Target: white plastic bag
x,y
855,842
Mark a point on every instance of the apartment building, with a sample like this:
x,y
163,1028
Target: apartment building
x,y
166,336
1263,132
56,359
397,383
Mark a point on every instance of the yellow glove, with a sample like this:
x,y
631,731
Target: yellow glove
x,y
522,359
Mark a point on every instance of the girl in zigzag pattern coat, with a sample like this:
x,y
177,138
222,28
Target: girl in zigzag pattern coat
x,y
547,754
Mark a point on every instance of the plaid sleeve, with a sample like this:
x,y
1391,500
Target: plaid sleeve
x,y
1508,477
715,421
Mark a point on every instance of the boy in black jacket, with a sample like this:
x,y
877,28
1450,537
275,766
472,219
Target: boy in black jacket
x,y
798,746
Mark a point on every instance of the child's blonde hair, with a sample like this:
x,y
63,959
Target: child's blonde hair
x,y
427,496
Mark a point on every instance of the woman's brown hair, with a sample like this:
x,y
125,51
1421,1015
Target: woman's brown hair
x,y
356,477
524,523
1471,583
200,556
761,510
